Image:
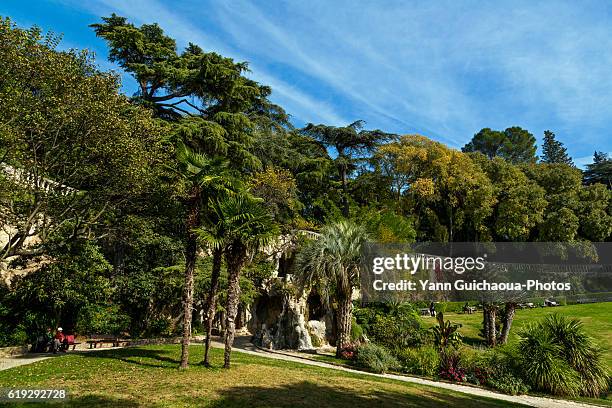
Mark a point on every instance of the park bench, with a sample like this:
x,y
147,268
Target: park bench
x,y
425,311
100,339
469,309
70,341
528,305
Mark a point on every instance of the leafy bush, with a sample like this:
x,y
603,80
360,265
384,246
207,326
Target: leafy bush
x,y
356,331
102,319
496,368
560,358
450,366
507,382
446,333
376,358
349,352
544,365
397,331
580,352
420,361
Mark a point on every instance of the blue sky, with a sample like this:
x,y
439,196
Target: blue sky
x,y
444,69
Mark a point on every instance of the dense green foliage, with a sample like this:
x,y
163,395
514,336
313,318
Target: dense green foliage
x,y
376,358
514,144
554,151
156,214
559,357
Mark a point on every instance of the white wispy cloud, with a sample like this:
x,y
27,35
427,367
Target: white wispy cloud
x,y
445,69
296,102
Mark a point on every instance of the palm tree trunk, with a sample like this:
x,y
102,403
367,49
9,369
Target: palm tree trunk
x,y
509,311
192,222
235,259
211,302
344,315
489,311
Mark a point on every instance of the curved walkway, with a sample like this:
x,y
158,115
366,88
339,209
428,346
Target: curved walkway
x,y
532,401
243,345
29,358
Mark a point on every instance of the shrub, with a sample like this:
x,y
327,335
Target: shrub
x,y
356,331
102,319
450,366
476,364
349,352
506,382
420,361
446,333
543,364
399,331
560,358
376,358
580,352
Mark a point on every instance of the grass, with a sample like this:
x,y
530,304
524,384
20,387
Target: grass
x,y
595,316
148,377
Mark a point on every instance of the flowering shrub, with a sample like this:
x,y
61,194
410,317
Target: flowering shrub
x,y
348,353
450,366
456,374
478,376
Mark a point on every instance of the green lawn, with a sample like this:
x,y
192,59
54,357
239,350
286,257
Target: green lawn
x,y
597,319
148,377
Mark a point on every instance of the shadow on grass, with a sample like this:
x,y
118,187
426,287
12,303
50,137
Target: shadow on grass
x,y
308,394
474,341
139,356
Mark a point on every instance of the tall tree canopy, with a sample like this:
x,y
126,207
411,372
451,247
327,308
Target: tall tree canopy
x,y
553,151
514,144
600,171
72,149
213,109
349,142
450,194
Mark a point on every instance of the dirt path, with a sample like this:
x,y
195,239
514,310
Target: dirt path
x,y
244,346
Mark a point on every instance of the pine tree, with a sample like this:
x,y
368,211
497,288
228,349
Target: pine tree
x,y
554,151
600,171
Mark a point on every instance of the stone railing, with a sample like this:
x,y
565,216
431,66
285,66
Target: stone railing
x,y
26,178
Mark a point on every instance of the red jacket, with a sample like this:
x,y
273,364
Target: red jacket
x,y
60,336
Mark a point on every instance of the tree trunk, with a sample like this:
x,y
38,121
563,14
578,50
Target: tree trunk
x,y
508,318
192,222
211,302
344,315
235,259
345,203
490,332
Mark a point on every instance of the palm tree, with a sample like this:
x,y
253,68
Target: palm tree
x,y
242,226
332,264
204,178
212,235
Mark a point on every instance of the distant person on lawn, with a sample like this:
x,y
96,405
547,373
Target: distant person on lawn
x,y
432,309
59,341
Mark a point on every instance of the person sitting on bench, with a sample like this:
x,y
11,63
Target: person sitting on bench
x,y
59,341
